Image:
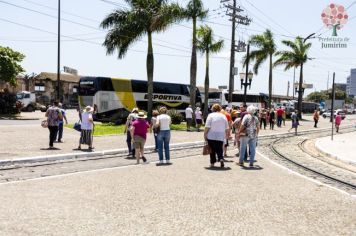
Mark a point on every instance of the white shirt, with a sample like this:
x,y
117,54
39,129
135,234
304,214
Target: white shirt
x,y
188,112
217,124
164,121
86,124
198,115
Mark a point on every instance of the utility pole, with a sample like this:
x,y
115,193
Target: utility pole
x,y
233,11
332,108
59,52
293,83
288,89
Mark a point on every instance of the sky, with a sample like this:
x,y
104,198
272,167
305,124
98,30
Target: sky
x,y
30,27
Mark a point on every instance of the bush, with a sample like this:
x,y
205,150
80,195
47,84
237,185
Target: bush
x,y
8,103
176,117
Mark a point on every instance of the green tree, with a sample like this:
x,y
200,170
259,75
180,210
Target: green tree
x,y
126,26
207,44
297,56
194,11
9,64
266,48
317,96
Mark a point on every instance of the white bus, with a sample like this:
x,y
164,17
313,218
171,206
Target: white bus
x,y
259,100
114,98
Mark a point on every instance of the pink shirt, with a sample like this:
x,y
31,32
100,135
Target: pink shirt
x,y
338,119
198,115
141,127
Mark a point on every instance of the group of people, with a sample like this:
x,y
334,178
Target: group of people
x,y
137,127
244,122
221,123
56,116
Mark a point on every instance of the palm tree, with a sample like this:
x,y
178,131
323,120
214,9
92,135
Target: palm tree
x,y
129,25
194,11
207,44
296,56
266,49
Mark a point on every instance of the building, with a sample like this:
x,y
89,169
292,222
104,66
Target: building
x,y
44,85
341,86
351,83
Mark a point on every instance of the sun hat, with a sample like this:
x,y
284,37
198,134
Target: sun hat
x,y
135,109
141,115
88,109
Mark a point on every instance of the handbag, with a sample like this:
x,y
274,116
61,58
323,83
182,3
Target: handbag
x,y
206,149
77,126
44,124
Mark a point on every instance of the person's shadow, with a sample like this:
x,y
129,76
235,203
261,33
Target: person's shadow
x,y
51,149
217,168
255,167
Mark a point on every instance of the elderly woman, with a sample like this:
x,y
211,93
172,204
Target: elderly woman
x,y
86,136
248,135
164,135
216,131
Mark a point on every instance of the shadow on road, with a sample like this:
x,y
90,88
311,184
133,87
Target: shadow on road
x,y
217,168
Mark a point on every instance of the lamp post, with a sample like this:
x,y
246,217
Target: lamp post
x,y
248,80
59,51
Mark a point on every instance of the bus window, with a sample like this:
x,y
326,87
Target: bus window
x,y
214,95
87,87
139,86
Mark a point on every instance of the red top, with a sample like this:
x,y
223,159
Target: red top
x,y
279,112
141,127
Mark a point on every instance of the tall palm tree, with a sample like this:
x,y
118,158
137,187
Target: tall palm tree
x,y
194,11
297,56
266,48
144,17
207,44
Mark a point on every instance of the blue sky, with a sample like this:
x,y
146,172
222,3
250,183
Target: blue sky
x,y
32,31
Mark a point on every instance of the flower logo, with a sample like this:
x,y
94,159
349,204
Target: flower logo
x,y
334,17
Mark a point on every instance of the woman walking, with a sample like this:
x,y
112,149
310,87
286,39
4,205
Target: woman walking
x,y
338,119
216,131
139,130
198,118
295,122
164,134
86,135
316,118
272,117
263,116
249,131
154,128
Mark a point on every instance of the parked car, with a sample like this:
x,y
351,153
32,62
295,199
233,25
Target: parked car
x,y
340,112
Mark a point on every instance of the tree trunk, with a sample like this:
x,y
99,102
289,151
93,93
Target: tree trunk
x,y
270,82
206,87
300,93
149,67
193,67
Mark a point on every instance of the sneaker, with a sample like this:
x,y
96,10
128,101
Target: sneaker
x,y
212,165
240,163
251,164
144,159
168,162
59,141
222,164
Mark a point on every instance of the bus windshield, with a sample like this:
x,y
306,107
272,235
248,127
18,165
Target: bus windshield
x,y
87,87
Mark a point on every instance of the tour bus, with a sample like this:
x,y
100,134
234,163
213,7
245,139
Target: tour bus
x,y
259,100
114,98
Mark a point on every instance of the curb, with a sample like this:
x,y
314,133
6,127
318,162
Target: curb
x,y
335,157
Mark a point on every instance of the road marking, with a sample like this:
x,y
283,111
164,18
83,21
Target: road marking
x,y
303,176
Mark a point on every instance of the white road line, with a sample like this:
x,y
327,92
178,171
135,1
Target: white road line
x,y
303,176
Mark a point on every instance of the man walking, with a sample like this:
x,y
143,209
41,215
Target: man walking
x,y
279,117
189,117
53,115
60,123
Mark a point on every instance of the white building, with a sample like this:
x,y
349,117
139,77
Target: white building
x,y
351,83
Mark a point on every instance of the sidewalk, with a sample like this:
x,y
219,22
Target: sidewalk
x,y
19,141
341,148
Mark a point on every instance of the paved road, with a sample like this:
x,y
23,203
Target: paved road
x,y
185,198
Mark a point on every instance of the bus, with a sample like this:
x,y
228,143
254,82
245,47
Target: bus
x,y
114,98
259,100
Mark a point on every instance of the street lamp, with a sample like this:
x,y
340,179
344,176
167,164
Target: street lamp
x,y
248,80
